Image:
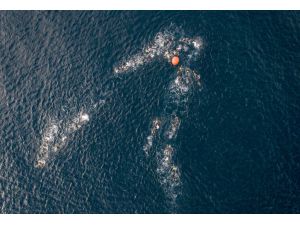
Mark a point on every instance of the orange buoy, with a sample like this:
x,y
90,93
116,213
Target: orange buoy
x,y
175,60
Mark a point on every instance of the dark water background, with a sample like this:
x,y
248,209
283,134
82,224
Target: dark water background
x,y
239,144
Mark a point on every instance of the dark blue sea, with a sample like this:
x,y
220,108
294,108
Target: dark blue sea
x,y
72,130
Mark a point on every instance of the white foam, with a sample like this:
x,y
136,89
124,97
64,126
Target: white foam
x,y
156,48
165,44
148,145
173,127
155,126
56,136
169,174
181,87
85,117
48,139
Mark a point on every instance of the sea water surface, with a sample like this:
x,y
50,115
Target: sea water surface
x,y
73,129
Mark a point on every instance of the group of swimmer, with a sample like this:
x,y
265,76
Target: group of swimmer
x,y
178,52
169,123
56,135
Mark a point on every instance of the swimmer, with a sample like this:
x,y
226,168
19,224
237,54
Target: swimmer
x,y
183,76
168,150
174,126
77,122
40,163
167,156
197,78
180,70
175,173
187,75
178,80
175,122
166,159
155,126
